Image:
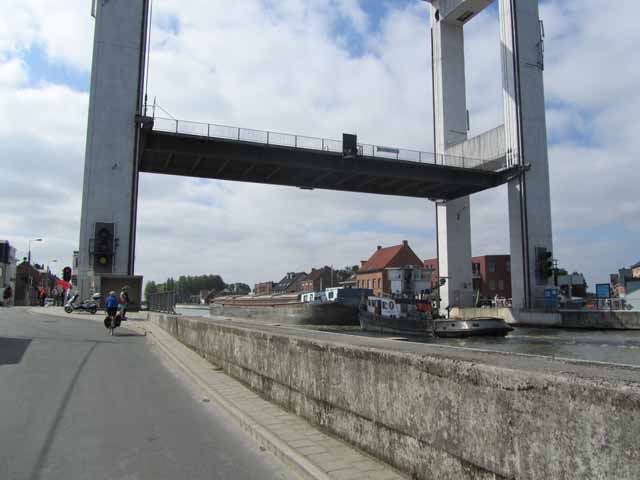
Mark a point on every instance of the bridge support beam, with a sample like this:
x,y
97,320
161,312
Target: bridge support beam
x,y
109,198
524,134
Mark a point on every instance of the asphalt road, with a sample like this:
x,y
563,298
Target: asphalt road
x,y
76,403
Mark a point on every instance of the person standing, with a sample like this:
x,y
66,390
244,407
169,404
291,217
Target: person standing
x,y
42,294
6,295
124,301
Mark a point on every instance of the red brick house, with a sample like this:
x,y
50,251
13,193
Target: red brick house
x,y
264,288
321,278
491,275
372,273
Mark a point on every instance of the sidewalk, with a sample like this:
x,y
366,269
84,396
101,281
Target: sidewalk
x,y
310,452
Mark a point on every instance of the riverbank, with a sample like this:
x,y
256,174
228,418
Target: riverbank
x,y
435,411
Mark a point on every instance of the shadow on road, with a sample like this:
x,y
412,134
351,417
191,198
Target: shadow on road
x,y
12,350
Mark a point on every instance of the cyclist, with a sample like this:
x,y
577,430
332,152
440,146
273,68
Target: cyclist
x,y
124,301
111,305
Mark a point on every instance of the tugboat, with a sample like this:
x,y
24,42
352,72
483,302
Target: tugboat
x,y
398,316
473,327
409,313
406,312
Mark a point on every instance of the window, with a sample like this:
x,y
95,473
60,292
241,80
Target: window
x,y
501,285
491,266
368,283
476,269
379,283
492,284
508,266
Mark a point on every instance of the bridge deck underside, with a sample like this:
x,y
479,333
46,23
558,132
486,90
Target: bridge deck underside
x,y
186,155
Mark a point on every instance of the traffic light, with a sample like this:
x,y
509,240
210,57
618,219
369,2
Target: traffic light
x,y
547,265
66,274
103,247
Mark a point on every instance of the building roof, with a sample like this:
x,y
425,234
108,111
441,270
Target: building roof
x,y
635,265
288,280
317,273
396,256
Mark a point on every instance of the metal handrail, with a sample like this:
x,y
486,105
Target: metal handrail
x,y
227,132
163,302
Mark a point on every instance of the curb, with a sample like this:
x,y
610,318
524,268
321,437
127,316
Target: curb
x,y
284,452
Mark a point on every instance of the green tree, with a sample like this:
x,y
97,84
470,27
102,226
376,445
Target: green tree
x,y
149,289
239,288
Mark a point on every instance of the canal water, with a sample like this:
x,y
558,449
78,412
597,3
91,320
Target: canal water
x,y
608,346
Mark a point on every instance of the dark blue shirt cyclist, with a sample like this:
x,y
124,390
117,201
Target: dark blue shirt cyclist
x,y
112,304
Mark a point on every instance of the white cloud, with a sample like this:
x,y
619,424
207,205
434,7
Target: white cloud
x,y
280,66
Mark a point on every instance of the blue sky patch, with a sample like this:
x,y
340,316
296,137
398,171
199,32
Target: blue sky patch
x,y
42,69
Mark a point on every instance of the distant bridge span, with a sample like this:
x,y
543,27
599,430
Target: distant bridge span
x,y
229,153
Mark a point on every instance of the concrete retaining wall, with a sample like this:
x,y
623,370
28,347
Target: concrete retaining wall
x,y
616,320
598,320
429,413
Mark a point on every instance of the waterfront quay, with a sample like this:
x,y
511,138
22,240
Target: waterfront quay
x,y
606,346
441,410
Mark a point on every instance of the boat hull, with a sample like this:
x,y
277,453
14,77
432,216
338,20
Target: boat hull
x,y
329,313
474,327
413,327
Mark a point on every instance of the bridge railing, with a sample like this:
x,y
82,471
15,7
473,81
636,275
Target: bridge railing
x,y
314,143
164,302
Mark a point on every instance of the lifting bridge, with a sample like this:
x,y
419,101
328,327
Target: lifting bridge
x,y
203,150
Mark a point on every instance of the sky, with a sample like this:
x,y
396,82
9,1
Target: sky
x,y
317,68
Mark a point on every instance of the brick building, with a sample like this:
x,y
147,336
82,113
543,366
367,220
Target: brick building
x,y
322,278
291,283
372,273
491,275
264,288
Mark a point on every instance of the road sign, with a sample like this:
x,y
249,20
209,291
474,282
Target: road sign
x,y
603,290
551,298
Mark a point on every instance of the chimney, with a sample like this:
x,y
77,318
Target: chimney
x,y
379,247
362,262
405,243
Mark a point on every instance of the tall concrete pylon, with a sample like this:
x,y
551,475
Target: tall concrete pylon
x,y
526,136
109,198
524,133
450,123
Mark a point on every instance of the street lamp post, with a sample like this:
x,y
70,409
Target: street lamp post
x,y
49,264
29,254
30,282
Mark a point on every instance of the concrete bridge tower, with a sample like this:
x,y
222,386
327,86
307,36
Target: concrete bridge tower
x,y
107,230
523,137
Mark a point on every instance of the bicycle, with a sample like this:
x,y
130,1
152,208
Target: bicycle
x,y
112,321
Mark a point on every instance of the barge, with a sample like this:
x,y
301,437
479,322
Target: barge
x,y
336,306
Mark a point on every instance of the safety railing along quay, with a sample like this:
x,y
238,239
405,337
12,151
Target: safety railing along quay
x,y
264,137
163,302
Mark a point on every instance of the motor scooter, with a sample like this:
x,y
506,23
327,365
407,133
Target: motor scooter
x,y
90,306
